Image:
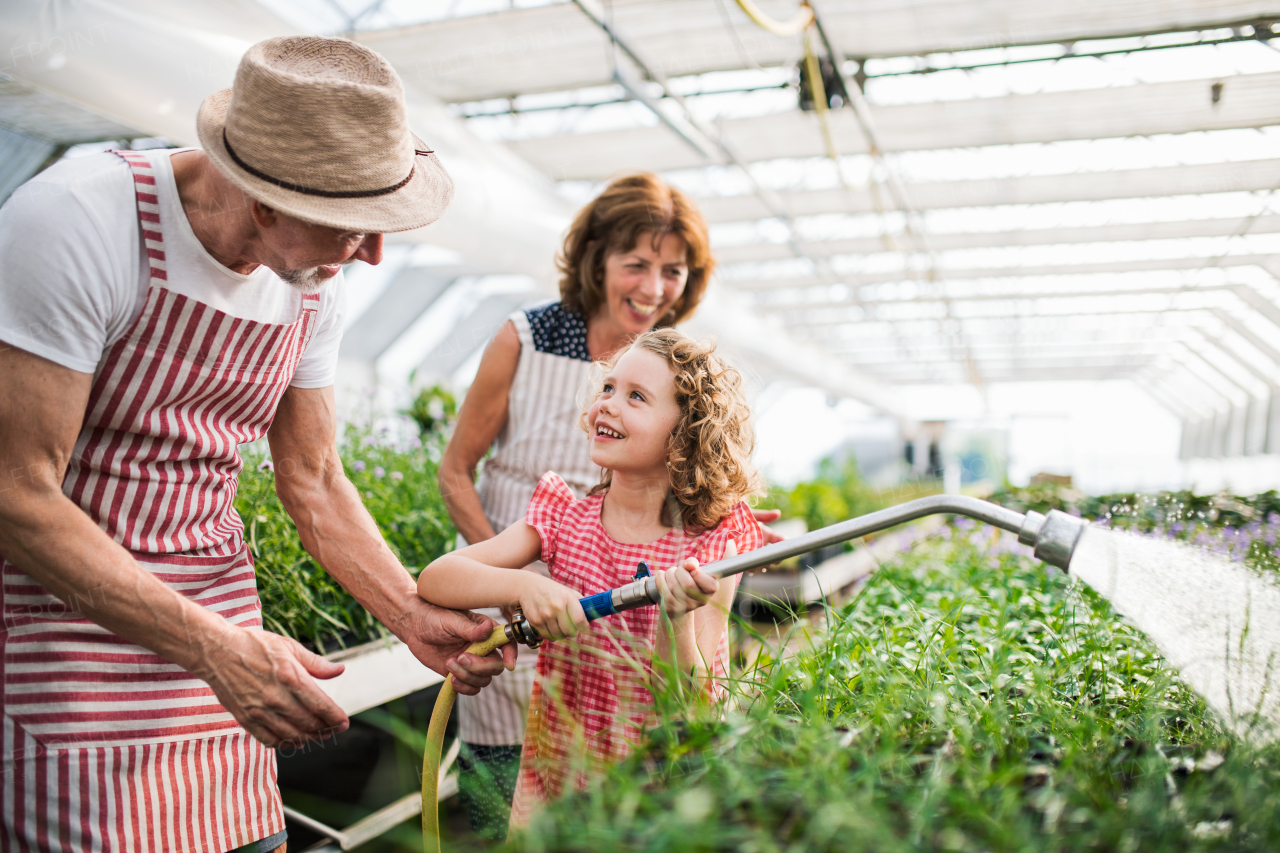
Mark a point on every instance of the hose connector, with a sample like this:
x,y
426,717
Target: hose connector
x,y
638,593
1030,529
1056,538
520,631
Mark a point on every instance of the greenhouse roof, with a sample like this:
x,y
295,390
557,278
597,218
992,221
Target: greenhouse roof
x,y
1018,191
555,47
1076,192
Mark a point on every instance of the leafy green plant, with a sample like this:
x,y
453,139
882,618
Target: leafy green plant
x,y
433,410
1242,528
1145,512
397,481
838,492
971,699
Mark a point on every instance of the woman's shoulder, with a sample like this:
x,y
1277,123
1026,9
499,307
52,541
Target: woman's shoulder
x,y
558,331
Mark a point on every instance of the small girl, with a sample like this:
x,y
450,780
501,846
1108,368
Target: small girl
x,y
669,427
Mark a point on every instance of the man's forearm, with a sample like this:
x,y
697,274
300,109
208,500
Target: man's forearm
x,y
339,533
54,542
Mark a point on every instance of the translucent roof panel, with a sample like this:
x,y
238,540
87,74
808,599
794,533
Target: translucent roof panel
x,y
555,47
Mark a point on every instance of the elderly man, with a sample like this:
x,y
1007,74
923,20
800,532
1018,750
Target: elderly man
x,y
158,309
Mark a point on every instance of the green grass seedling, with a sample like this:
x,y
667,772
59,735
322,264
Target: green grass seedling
x,y
969,699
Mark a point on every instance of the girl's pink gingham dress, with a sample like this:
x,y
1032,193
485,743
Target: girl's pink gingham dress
x,y
591,698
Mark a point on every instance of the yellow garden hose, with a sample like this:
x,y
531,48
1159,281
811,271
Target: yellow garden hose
x,y
435,743
779,28
818,92
800,23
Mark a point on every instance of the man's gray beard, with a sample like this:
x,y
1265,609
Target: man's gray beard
x,y
307,281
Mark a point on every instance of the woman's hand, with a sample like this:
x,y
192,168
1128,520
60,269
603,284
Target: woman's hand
x,y
551,608
685,588
766,517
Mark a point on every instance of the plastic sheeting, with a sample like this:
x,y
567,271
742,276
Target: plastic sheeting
x,y
20,157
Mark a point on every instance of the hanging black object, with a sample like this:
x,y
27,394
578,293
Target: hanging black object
x,y
831,85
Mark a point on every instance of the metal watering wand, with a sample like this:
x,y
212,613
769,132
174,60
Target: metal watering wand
x,y
1053,537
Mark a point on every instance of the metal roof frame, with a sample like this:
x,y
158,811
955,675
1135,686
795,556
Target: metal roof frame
x,y
1143,109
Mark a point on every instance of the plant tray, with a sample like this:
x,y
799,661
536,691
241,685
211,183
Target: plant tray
x,y
376,673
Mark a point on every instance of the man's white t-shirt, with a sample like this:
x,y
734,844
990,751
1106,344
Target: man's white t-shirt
x,y
73,276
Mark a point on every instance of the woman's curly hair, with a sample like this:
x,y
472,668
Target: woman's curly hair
x,y
709,451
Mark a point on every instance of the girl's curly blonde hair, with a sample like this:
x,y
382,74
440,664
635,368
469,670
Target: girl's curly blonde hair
x,y
709,451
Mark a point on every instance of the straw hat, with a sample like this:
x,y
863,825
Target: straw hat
x,y
316,128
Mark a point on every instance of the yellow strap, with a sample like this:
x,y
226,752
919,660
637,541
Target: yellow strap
x,y
802,19
818,91
435,743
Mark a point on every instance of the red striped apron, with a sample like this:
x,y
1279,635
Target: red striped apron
x,y
106,745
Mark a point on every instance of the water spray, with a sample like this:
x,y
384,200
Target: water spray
x,y
1214,620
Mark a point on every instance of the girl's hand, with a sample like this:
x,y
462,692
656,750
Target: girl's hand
x,y
551,608
685,588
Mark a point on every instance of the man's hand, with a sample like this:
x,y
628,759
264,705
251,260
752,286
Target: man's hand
x,y
438,637
265,681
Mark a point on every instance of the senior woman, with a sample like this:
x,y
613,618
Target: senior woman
x,y
636,257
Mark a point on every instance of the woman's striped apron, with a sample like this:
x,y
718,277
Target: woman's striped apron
x,y
542,434
106,745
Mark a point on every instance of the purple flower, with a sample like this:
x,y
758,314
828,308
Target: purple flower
x,y
358,465
397,476
267,466
379,471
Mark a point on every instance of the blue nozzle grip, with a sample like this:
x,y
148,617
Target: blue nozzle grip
x,y
598,605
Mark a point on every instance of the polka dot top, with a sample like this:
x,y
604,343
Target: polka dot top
x,y
558,331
